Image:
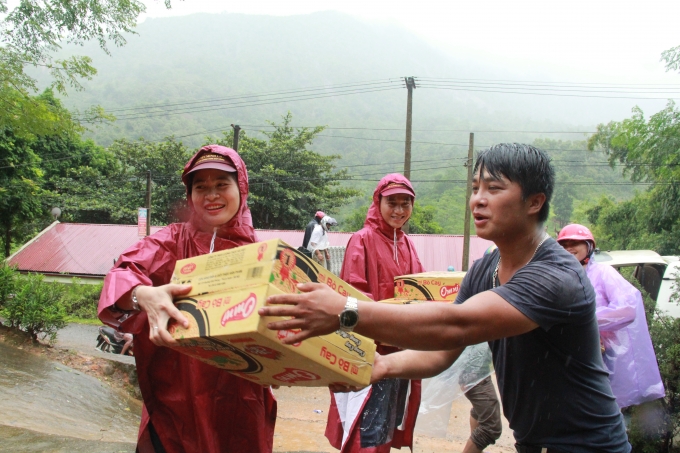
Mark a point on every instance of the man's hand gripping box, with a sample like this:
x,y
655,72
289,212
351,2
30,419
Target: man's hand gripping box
x,y
226,331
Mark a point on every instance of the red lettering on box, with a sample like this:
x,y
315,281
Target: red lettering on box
x,y
188,269
260,251
240,311
281,334
292,375
328,355
446,291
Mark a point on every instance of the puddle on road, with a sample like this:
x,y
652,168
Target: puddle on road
x,y
46,403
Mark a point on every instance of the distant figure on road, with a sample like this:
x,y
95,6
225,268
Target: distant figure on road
x,y
319,242
310,227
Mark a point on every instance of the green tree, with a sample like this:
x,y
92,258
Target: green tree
x,y
110,185
648,151
21,180
288,181
422,220
32,33
563,203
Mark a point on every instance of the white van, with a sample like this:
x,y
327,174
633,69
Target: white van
x,y
655,273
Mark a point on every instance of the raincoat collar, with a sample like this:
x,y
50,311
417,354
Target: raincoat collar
x,y
374,218
239,230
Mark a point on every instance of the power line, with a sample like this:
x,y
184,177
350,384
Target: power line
x,y
278,100
250,95
483,90
543,82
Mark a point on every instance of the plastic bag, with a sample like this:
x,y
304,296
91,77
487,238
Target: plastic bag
x,y
439,392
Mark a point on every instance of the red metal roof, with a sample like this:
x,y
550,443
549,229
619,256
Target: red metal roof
x,y
77,249
89,249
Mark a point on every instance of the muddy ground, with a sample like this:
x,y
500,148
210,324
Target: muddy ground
x,y
302,411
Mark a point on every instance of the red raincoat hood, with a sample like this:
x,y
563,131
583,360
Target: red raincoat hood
x,y
374,218
239,229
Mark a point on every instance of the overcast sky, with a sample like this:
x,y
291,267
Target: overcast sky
x,y
576,40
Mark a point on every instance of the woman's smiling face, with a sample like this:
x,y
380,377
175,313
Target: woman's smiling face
x,y
215,196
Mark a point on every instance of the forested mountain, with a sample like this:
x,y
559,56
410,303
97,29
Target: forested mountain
x,y
180,76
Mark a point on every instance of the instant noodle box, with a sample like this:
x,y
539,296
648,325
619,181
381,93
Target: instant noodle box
x,y
225,331
433,286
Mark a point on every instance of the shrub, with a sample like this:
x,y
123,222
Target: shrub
x,y
36,308
650,433
81,300
8,279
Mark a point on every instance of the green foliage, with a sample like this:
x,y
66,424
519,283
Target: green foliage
x,y
355,221
423,221
31,34
654,425
563,203
21,181
81,300
288,181
112,184
8,281
36,308
672,58
648,151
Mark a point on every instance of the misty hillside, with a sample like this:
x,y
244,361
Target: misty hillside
x,y
179,76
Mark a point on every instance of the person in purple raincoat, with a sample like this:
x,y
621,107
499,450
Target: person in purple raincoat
x,y
627,347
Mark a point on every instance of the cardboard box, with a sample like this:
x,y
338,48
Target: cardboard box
x,y
226,331
432,286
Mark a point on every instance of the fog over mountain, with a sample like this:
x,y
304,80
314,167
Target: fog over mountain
x,y
197,65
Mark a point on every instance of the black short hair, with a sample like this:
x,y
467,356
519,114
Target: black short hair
x,y
526,165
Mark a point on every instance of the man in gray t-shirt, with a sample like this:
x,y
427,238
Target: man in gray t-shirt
x,y
542,373
530,300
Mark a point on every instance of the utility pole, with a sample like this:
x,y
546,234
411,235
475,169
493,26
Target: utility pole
x,y
410,85
468,194
148,202
237,130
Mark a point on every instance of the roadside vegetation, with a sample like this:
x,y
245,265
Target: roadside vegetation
x,y
40,308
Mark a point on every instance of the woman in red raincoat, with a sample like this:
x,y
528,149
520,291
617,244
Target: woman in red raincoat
x,y
189,406
383,415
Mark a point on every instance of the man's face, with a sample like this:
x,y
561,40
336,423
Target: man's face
x,y
215,196
396,209
497,206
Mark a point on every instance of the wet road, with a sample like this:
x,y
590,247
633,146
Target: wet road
x,y
46,406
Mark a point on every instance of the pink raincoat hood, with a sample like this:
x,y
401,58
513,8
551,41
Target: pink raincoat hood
x,y
194,407
375,254
374,218
239,230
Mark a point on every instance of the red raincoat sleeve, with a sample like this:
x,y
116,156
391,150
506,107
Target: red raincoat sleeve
x,y
149,262
354,270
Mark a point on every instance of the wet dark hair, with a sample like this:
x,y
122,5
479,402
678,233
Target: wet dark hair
x,y
526,165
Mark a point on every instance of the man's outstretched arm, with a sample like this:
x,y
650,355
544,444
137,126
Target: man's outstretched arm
x,y
425,327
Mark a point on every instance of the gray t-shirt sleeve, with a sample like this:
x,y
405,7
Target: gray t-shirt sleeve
x,y
547,294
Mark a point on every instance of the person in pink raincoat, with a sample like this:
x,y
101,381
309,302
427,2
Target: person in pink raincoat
x,y
189,406
627,347
381,416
